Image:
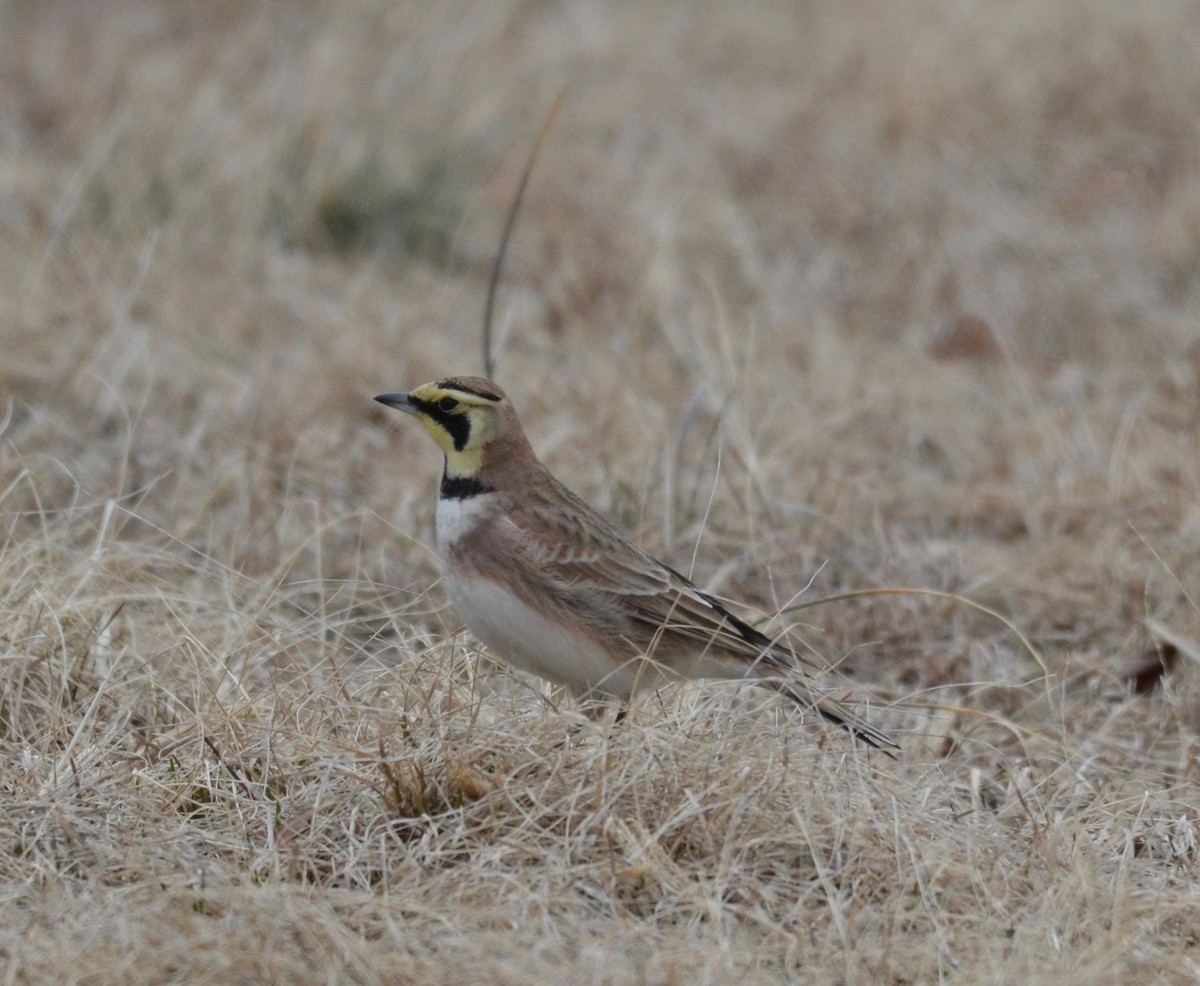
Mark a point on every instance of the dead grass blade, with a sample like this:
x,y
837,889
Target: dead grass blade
x,y
489,356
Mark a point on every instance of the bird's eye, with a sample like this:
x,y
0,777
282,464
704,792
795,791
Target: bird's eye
x,y
447,404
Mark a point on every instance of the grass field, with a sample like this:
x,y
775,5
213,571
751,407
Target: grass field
x,y
812,298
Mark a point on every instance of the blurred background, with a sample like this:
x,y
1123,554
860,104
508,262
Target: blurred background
x,y
949,177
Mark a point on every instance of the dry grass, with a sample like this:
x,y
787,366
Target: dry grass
x,y
846,295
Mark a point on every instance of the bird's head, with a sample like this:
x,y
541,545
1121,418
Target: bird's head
x,y
465,415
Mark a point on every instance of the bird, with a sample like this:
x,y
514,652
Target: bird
x,y
548,584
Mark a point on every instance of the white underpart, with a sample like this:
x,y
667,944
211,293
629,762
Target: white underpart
x,y
518,633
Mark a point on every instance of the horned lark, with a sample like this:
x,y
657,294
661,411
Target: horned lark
x,y
549,585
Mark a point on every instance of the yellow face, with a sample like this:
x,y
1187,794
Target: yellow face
x,y
462,421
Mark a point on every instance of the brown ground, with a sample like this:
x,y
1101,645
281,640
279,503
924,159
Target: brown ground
x,y
821,296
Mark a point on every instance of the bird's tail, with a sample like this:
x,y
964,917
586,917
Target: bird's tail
x,y
834,711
